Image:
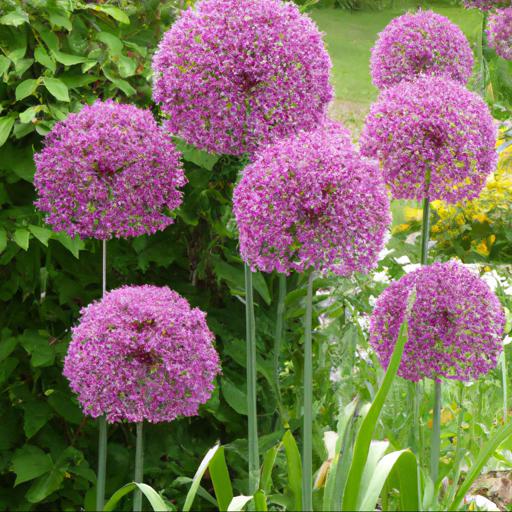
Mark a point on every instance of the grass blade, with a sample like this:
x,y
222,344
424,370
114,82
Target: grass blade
x,y
294,469
220,478
364,436
155,500
198,476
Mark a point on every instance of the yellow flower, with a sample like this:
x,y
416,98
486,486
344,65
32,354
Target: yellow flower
x,y
482,248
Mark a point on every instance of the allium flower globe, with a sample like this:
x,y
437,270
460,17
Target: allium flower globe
x,y
108,171
420,43
234,74
486,5
141,353
500,32
434,139
311,201
455,328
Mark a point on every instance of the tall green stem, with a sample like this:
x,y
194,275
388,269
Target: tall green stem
x,y
436,433
102,422
254,463
280,321
505,385
425,231
139,466
307,434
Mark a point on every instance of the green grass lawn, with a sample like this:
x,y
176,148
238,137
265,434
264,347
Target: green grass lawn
x,y
350,36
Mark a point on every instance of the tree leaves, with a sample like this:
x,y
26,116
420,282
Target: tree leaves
x,y
57,88
30,462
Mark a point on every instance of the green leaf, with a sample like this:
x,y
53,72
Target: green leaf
x,y
113,43
18,159
22,237
198,476
405,464
238,503
68,59
115,12
26,88
124,86
234,396
65,407
7,366
42,234
30,113
294,467
364,436
14,18
59,20
37,344
266,469
6,124
30,462
155,500
57,88
42,56
485,453
3,239
196,156
73,245
36,416
4,64
220,478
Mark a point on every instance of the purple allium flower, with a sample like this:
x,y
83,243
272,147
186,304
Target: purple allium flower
x,y
141,353
500,32
108,171
486,5
434,139
311,201
455,327
420,43
234,74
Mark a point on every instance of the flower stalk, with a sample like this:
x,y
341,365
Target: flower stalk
x,y
102,422
307,431
280,323
254,463
139,466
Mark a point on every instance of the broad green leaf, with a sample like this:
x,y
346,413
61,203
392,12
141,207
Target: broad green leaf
x,y
30,113
220,478
124,86
42,56
36,415
155,500
7,366
59,20
126,66
406,465
6,124
3,239
42,234
485,454
57,88
294,467
198,476
73,245
65,407
26,88
30,462
238,503
22,237
50,39
365,433
18,159
37,344
234,396
113,43
4,64
115,12
14,18
196,156
68,59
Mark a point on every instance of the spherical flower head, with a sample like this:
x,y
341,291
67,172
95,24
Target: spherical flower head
x,y
486,5
455,326
141,353
433,138
500,32
420,43
234,74
108,171
310,201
